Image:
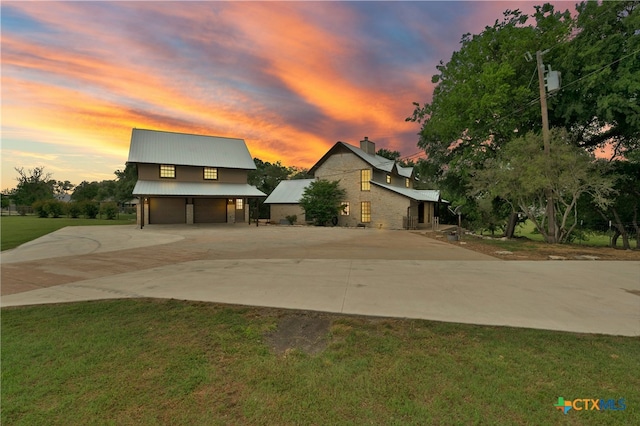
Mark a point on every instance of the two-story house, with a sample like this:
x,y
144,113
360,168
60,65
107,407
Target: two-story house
x,y
379,191
184,178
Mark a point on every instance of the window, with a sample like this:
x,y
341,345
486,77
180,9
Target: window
x,y
210,173
407,182
345,208
167,171
365,177
365,211
239,203
388,178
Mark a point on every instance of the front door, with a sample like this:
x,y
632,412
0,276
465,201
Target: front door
x,y
231,211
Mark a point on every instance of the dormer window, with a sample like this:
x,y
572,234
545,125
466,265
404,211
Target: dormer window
x,y
167,171
210,173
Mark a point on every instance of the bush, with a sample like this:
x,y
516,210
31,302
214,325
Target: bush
x,y
74,209
90,209
54,208
40,208
291,219
110,210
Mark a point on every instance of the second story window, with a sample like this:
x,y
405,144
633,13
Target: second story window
x,y
210,173
365,177
167,171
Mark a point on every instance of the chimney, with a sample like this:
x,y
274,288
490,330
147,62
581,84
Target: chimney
x,y
367,146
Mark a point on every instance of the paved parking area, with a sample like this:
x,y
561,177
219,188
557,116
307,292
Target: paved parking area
x,y
357,271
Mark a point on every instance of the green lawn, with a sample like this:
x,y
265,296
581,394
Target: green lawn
x,y
528,230
18,230
174,362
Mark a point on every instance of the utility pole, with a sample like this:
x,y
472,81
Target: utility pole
x,y
546,139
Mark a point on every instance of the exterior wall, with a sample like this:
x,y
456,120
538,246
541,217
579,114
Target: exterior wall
x,y
387,208
192,174
280,212
346,166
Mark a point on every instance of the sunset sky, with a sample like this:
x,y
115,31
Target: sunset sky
x,y
290,78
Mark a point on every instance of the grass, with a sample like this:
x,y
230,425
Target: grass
x,y
18,230
174,362
595,239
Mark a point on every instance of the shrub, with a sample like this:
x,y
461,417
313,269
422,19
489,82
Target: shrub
x,y
322,201
292,219
40,208
54,208
90,209
74,209
110,210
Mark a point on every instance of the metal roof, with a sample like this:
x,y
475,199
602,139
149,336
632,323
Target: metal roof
x,y
158,147
194,189
415,194
288,191
376,161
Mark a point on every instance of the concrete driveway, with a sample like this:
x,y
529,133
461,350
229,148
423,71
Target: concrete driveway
x,y
353,271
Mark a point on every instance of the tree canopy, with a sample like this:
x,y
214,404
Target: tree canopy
x,y
33,185
322,201
487,93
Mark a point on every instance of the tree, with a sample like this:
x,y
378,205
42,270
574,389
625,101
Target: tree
x,y
521,173
61,188
623,211
86,191
391,155
601,77
267,176
125,182
33,185
322,201
483,98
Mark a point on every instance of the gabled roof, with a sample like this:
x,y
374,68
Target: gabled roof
x,y
158,147
288,191
376,161
195,189
414,194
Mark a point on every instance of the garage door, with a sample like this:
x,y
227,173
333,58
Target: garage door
x,y
210,210
167,210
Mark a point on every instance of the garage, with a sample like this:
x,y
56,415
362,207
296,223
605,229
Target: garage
x,y
209,210
167,210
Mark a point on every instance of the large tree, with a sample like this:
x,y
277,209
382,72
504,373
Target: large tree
x,y
268,175
522,173
33,185
487,95
483,98
600,98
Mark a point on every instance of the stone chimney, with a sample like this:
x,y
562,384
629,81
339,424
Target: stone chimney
x,y
367,146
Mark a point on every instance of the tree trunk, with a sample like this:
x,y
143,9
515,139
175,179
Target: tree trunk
x,y
635,225
511,225
620,231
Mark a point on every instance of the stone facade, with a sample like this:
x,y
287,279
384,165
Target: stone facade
x,y
279,213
